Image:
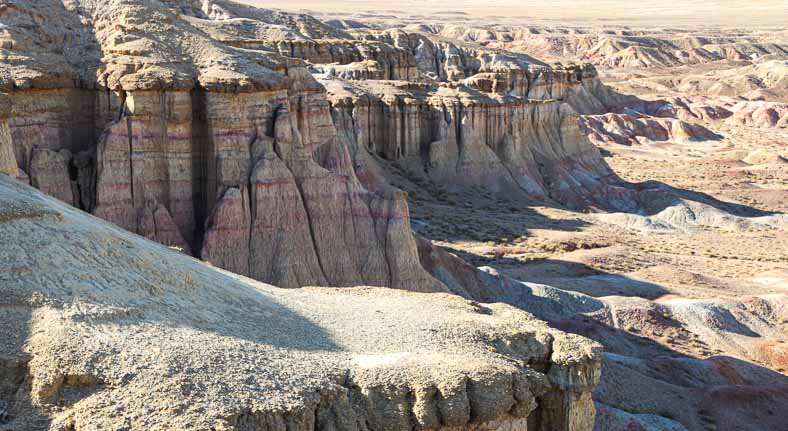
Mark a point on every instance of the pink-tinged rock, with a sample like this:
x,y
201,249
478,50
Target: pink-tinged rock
x,y
281,246
524,149
760,114
342,227
393,224
623,129
308,224
115,200
156,224
226,242
146,156
612,419
49,172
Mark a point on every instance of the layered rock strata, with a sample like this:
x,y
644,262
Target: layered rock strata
x,y
750,110
461,135
620,46
193,130
196,144
623,129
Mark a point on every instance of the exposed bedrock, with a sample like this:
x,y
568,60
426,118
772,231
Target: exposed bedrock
x,y
7,158
460,136
149,338
231,155
231,175
389,62
625,129
241,157
237,155
182,122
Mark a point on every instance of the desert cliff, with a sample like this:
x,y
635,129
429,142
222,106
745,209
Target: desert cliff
x,y
524,186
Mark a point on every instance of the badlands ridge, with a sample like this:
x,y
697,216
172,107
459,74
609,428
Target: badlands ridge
x,y
263,148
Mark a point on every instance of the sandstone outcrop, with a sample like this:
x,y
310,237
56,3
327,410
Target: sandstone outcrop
x,y
103,330
191,141
266,143
623,129
204,129
684,117
471,135
621,47
759,114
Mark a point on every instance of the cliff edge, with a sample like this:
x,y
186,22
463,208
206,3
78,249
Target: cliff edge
x,y
103,329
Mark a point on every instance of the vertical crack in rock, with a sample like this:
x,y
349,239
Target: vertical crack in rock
x,y
385,241
129,132
164,161
402,148
459,120
201,156
311,225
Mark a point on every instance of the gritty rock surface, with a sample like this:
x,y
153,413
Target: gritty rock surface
x,y
112,331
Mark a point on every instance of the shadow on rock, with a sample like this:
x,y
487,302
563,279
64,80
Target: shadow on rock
x,y
641,376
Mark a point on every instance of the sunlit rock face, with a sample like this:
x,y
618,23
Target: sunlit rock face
x,y
101,326
205,130
178,136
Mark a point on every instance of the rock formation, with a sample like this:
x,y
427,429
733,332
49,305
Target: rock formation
x,y
460,136
667,391
621,46
102,329
7,158
267,144
189,141
680,119
189,130
623,129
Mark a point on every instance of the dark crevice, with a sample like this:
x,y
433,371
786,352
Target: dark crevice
x,y
460,142
410,399
76,187
369,122
535,418
202,158
164,114
402,149
248,188
131,158
473,412
436,398
122,107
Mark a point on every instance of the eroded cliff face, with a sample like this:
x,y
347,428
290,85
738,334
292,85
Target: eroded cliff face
x,y
201,126
190,131
208,154
464,136
7,157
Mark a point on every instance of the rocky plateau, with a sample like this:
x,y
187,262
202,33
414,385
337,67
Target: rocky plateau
x,y
472,221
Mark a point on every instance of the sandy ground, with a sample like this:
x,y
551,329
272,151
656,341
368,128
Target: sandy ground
x,y
732,12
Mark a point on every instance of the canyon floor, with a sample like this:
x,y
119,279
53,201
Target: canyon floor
x,y
605,257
